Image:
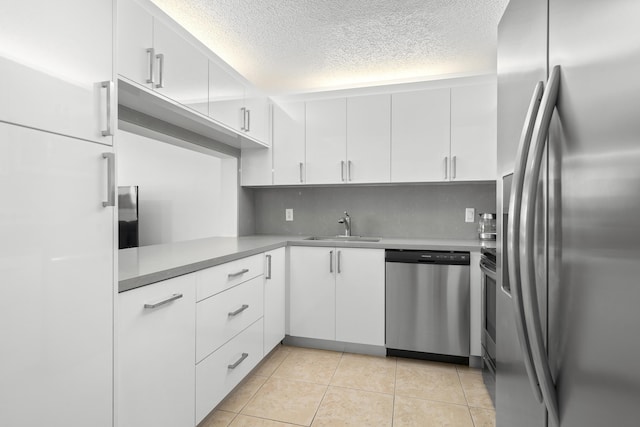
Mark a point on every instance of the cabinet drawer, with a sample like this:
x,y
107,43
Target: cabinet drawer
x,y
215,377
216,279
223,316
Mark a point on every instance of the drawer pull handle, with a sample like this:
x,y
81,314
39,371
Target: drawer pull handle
x,y
238,311
239,273
239,361
164,301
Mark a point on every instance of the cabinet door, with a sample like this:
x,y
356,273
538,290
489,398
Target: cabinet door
x,y
326,124
312,293
360,296
135,37
56,275
274,298
182,71
257,115
256,166
288,143
369,139
226,97
473,132
420,136
53,58
156,354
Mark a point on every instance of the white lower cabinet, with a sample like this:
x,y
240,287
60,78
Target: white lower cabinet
x,y
274,298
360,295
156,342
337,294
219,373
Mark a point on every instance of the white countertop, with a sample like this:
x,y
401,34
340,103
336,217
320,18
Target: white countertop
x,y
149,264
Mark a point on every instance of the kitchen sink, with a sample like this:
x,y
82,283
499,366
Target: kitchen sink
x,y
344,238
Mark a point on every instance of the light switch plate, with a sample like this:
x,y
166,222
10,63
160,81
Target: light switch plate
x,y
288,214
469,215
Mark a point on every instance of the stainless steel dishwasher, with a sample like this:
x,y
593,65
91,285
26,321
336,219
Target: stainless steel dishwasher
x,y
427,304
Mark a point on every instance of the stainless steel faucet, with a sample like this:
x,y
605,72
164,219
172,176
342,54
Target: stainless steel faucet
x,y
346,220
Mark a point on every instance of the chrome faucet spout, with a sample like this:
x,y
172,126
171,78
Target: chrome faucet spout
x,y
346,220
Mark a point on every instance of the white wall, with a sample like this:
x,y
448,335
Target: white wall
x,y
183,194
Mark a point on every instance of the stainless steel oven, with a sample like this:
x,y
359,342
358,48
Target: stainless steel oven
x,y
488,336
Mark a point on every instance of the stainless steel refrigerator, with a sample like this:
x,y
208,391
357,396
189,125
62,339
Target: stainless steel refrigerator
x,y
568,315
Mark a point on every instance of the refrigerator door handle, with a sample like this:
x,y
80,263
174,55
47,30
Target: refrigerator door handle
x,y
527,230
513,236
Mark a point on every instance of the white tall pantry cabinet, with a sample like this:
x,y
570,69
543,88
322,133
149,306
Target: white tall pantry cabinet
x,y
56,234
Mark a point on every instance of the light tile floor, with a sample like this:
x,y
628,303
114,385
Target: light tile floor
x,y
305,387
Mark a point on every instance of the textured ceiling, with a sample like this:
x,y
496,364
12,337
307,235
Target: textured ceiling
x,y
288,46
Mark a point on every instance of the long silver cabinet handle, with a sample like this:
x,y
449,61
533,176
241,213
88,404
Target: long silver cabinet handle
x,y
301,178
152,60
248,127
446,167
160,57
109,86
527,253
111,180
268,267
238,311
339,257
238,273
349,170
453,167
342,170
163,301
243,112
239,361
331,262
513,236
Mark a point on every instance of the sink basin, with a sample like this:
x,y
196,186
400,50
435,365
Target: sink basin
x,y
344,238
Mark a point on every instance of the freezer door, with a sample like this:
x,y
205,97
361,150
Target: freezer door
x,y
522,63
594,234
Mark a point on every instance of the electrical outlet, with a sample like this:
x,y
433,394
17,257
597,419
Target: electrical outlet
x,y
470,215
288,214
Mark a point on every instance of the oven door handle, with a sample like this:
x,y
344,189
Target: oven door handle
x,y
488,271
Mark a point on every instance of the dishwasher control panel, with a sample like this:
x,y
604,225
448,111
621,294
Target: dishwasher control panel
x,y
428,257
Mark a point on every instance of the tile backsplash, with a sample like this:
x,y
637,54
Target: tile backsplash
x,y
416,210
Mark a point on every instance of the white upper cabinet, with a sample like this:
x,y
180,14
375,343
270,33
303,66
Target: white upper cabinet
x,y
288,143
420,136
54,57
226,97
152,54
326,127
181,70
368,139
473,132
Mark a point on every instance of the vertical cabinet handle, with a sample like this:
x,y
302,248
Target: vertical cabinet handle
x,y
339,269
239,361
248,121
152,61
453,167
243,112
268,267
301,178
331,262
111,180
349,170
160,58
108,85
446,167
342,170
